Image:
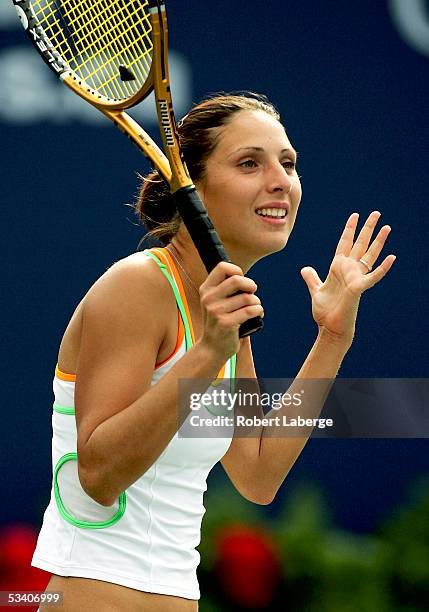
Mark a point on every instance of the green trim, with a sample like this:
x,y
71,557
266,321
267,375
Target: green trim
x,y
63,409
179,301
231,374
180,305
233,363
66,514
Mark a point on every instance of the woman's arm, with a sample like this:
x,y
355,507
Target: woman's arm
x,y
259,464
123,423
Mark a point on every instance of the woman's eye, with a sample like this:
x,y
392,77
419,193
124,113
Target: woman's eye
x,y
289,164
249,163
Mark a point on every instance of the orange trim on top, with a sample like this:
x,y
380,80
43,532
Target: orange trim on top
x,y
64,376
221,375
180,336
180,325
163,254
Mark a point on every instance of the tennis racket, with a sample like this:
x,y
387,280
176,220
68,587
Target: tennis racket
x,y
113,54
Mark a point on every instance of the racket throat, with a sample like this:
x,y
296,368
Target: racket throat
x,y
200,227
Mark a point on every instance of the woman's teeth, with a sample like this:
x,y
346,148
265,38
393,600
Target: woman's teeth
x,y
272,212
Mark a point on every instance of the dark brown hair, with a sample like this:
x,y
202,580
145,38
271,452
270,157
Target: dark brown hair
x,y
155,207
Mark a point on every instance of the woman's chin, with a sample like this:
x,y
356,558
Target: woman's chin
x,y
252,248
274,243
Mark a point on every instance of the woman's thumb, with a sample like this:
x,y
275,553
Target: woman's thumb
x,y
311,279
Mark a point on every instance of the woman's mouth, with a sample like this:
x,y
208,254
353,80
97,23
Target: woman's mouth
x,y
273,216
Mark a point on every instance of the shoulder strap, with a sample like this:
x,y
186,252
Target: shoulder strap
x,y
168,267
170,275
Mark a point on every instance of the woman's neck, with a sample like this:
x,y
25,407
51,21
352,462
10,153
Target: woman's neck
x,y
188,260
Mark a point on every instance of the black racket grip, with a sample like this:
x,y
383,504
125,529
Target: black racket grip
x,y
207,241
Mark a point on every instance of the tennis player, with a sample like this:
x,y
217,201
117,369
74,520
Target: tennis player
x,y
122,526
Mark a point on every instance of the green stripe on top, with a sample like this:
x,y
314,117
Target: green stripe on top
x,y
63,409
179,301
232,365
181,307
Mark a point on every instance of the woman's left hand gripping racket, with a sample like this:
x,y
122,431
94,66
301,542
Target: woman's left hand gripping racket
x,y
114,53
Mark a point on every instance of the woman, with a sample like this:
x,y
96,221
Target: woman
x,y
124,519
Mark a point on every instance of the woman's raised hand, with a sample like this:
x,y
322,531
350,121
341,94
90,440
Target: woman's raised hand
x,y
227,300
335,302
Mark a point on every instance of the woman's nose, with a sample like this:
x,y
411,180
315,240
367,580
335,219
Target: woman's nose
x,y
279,180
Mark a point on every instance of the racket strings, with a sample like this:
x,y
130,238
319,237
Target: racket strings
x,y
108,52
96,37
111,19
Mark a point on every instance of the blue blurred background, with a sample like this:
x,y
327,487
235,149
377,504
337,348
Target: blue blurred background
x,y
351,81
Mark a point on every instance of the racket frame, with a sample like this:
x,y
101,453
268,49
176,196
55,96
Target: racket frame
x,y
171,166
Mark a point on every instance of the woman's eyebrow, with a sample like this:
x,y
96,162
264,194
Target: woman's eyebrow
x,y
259,149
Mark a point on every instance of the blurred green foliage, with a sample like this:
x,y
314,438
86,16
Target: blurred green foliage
x,y
324,568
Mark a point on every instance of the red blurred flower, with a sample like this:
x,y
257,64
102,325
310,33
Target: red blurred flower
x,y
247,566
17,544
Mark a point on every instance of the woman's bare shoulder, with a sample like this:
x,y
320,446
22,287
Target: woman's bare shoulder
x,y
130,299
131,290
129,278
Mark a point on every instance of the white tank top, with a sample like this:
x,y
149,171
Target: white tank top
x,y
147,540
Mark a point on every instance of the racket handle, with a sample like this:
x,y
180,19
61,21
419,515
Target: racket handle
x,y
206,239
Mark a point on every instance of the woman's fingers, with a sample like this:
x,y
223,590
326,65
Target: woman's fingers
x,y
223,270
377,245
360,247
233,303
223,281
248,312
227,300
236,284
376,275
345,243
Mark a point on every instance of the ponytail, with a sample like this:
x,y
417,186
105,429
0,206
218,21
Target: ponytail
x,y
156,208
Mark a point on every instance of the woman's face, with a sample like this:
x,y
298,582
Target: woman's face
x,y
252,168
